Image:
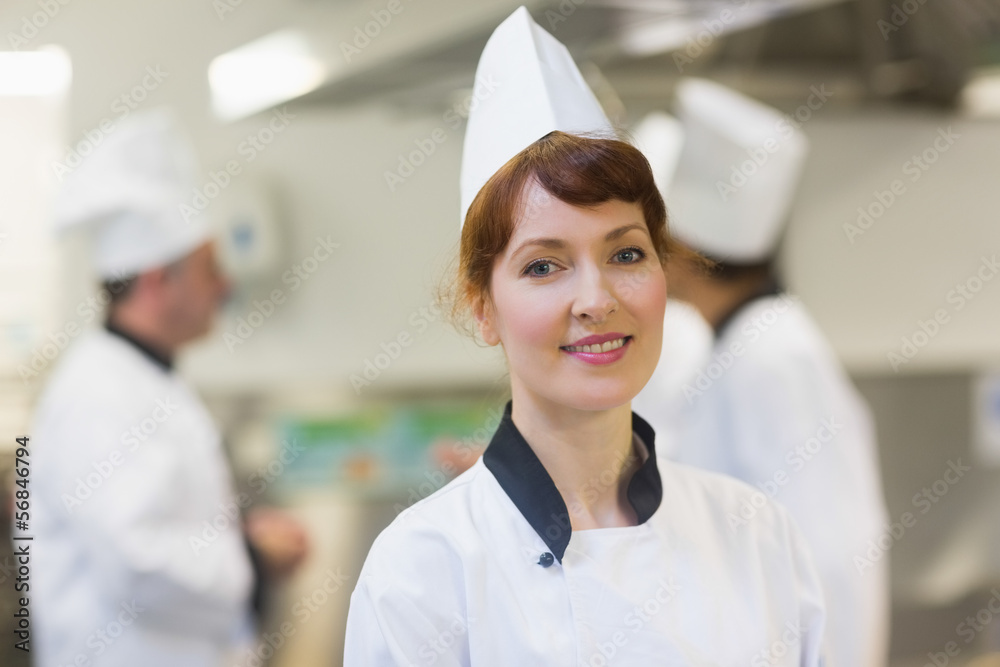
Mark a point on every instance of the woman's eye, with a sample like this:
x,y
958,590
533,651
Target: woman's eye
x,y
539,268
630,255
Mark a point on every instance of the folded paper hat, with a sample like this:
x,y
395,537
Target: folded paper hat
x,y
536,88
660,137
737,175
129,193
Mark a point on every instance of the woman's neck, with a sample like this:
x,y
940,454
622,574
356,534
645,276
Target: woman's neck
x,y
588,454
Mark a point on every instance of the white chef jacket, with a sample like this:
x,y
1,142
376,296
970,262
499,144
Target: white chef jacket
x,y
774,408
487,572
126,469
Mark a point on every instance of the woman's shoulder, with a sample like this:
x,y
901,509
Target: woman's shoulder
x,y
433,526
734,508
747,529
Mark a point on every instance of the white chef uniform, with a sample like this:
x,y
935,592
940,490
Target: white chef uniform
x,y
128,471
771,404
785,418
487,572
139,555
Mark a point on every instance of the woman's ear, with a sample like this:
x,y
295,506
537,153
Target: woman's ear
x,y
482,311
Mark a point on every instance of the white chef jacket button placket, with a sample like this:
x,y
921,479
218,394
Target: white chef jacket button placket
x,y
546,559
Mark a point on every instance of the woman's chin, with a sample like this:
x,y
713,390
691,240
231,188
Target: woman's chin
x,y
600,396
581,391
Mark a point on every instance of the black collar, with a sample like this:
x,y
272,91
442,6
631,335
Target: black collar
x,y
525,480
158,358
770,288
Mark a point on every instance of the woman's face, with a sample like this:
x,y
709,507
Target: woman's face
x,y
571,278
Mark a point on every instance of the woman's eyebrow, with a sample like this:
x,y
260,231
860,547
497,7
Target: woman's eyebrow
x,y
557,244
622,231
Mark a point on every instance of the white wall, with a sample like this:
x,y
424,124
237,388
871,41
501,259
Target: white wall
x,y
327,170
394,249
29,126
869,294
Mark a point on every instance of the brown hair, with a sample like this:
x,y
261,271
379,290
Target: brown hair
x,y
580,171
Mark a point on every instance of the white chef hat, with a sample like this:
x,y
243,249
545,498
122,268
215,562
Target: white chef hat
x,y
129,191
529,87
660,137
737,175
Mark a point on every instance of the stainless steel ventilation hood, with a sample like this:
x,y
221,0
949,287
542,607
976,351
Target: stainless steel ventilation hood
x,y
423,53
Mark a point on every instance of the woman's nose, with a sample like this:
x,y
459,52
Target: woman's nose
x,y
594,299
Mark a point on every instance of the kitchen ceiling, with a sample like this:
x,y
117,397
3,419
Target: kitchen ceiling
x,y
914,51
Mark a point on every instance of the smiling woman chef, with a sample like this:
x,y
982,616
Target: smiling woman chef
x,y
569,542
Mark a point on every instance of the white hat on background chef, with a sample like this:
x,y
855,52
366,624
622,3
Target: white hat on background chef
x,y
128,192
687,337
531,87
660,137
737,176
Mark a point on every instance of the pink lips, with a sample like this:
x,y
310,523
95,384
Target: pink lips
x,y
600,358
597,339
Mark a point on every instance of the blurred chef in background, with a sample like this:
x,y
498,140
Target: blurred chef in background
x,y
687,337
771,405
142,557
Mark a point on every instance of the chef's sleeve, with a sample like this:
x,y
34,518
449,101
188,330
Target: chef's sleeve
x,y
409,605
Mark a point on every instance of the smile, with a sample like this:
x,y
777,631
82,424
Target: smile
x,y
607,352
597,347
